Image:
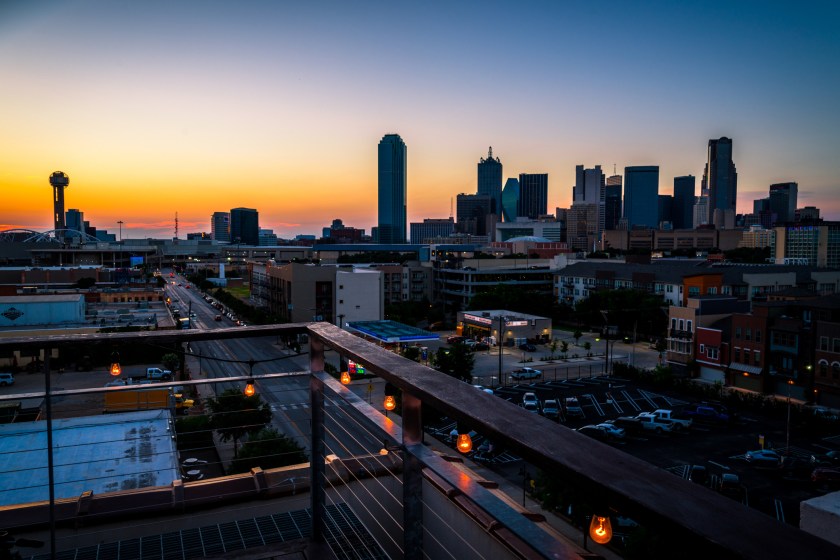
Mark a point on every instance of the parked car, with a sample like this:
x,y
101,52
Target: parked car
x,y
527,347
825,474
218,318
593,432
707,414
454,339
730,485
629,424
698,474
481,346
483,388
6,379
530,398
611,430
525,373
573,407
551,409
763,458
832,458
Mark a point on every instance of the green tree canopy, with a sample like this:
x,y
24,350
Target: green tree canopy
x,y
170,361
456,361
267,449
234,415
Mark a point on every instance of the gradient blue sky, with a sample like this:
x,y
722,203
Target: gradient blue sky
x,y
157,107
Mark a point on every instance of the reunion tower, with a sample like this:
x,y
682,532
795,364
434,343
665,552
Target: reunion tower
x,y
59,181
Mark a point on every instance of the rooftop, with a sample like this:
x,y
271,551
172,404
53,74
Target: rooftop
x,y
104,453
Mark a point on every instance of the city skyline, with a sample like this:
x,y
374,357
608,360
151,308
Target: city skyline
x,y
164,116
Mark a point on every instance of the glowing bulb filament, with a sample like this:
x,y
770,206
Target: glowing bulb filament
x,y
464,443
390,403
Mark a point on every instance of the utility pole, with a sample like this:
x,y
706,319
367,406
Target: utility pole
x,y
501,339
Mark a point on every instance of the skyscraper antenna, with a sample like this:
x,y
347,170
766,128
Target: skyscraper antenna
x,y
490,153
614,172
450,206
176,225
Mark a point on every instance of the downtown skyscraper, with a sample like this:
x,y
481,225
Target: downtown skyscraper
x,y
490,181
641,196
721,180
533,195
392,220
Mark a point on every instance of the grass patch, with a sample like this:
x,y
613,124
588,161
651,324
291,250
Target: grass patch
x,y
242,292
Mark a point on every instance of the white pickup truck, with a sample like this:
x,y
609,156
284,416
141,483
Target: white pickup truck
x,y
650,421
679,423
158,374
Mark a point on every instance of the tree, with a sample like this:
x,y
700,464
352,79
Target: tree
x,y
576,335
268,449
587,346
412,353
564,348
456,361
170,361
235,415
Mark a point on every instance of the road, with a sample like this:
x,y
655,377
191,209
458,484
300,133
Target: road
x,y
287,397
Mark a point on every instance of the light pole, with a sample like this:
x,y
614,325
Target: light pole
x,y
501,339
787,438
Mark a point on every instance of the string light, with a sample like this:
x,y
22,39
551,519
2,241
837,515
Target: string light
x,y
345,378
250,390
390,403
116,369
600,529
464,443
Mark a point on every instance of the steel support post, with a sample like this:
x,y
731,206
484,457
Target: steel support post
x,y
50,465
318,458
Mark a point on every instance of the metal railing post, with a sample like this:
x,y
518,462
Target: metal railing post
x,y
50,465
317,461
412,424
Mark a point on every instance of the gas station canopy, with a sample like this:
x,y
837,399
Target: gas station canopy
x,y
391,331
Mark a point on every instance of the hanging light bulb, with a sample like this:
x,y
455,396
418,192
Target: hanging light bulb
x,y
464,443
250,390
600,530
115,370
390,403
345,378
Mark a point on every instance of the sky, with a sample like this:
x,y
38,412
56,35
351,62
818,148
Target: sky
x,y
158,107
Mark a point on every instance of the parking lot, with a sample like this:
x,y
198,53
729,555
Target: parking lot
x,y
719,448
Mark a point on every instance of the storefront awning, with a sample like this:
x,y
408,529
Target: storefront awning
x,y
737,366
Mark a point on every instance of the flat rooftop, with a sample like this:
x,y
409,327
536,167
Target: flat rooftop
x,y
391,331
104,453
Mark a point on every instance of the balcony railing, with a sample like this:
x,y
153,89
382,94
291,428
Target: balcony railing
x,y
681,334
412,501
